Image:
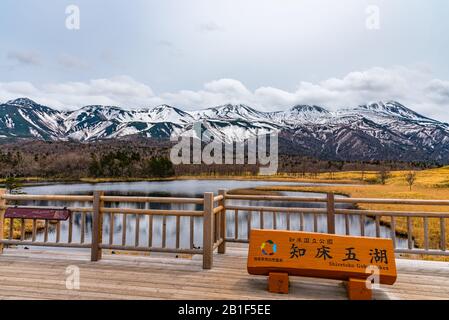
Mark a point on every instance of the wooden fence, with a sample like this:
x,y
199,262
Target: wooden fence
x,y
212,216
331,212
221,221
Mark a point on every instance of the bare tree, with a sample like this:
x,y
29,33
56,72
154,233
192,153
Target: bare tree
x,y
410,178
384,175
363,171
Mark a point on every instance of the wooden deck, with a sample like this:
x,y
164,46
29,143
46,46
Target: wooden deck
x,y
40,274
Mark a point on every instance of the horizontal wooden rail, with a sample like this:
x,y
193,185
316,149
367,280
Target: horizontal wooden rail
x,y
277,209
393,201
417,214
218,198
152,200
432,252
151,249
274,198
155,212
73,209
45,244
27,197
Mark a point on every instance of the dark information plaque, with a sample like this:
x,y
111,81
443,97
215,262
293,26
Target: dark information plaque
x,y
42,214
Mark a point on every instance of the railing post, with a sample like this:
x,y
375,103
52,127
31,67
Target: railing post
x,y
331,213
97,227
208,227
222,246
2,217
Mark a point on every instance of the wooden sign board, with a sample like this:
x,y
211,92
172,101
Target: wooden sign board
x,y
41,214
321,255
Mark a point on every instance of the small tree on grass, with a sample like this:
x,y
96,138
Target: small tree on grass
x,y
384,175
410,178
13,186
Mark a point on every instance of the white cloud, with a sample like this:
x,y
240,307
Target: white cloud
x,y
72,62
121,90
210,26
439,90
24,57
414,87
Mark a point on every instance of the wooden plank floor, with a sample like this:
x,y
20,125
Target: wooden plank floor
x,y
41,274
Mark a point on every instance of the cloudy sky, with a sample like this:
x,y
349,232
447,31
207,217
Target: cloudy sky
x,y
193,54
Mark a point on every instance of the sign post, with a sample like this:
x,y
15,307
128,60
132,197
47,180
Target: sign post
x,y
278,254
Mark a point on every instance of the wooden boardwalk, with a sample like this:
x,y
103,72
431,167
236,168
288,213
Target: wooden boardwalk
x,y
41,274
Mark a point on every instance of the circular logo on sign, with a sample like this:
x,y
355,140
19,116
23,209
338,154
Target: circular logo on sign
x,y
268,248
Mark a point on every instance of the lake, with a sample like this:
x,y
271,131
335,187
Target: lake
x,y
189,188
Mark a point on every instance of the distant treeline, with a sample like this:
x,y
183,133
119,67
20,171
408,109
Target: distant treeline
x,y
150,158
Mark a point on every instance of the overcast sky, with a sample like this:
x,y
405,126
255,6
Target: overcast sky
x,y
270,54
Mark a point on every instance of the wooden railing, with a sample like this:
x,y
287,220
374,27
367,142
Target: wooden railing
x,y
330,214
97,209
406,217
221,221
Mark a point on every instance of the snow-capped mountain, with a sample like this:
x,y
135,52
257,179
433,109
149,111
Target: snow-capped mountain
x,y
380,130
25,118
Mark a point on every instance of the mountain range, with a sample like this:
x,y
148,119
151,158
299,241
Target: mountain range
x,y
375,131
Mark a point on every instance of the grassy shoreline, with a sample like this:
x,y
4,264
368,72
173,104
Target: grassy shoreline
x,y
36,180
428,177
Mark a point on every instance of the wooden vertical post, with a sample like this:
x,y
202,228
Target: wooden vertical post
x,y
357,290
409,233
222,246
2,217
330,213
443,234
97,227
278,282
208,224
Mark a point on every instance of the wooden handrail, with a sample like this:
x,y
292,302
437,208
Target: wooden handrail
x,y
73,209
278,209
155,212
417,214
274,198
87,198
393,201
28,197
41,197
152,199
